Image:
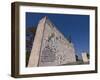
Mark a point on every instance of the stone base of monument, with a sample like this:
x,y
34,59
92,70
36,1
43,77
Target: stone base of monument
x,y
77,63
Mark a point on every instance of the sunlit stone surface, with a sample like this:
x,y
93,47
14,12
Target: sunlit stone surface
x,y
85,57
50,47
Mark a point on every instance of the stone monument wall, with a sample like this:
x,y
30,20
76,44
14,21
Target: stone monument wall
x,y
50,47
55,49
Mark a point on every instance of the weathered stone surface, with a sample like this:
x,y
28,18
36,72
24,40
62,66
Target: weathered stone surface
x,y
50,48
34,56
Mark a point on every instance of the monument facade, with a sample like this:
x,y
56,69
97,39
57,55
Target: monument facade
x,y
50,47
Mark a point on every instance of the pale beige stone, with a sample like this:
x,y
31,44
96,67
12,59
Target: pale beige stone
x,y
50,47
34,56
84,57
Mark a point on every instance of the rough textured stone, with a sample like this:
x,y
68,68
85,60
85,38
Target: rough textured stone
x,y
34,55
54,49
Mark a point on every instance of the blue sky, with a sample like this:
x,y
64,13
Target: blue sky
x,y
77,26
